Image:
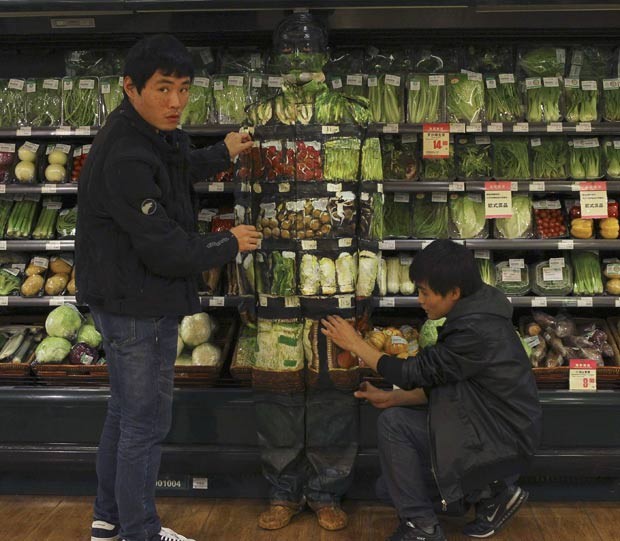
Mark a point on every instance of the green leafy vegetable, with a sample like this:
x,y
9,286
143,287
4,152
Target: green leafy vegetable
x,y
230,92
543,103
503,101
543,62
9,282
341,158
112,95
439,169
399,157
487,270
21,219
43,102
424,102
473,159
511,158
612,158
584,160
80,101
429,332
464,98
386,96
372,167
397,216
550,158
12,109
332,107
519,225
430,220
587,270
467,214
611,100
200,103
512,281
581,103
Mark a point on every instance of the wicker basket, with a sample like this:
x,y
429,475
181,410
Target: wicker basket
x,y
13,373
344,380
71,374
290,381
607,377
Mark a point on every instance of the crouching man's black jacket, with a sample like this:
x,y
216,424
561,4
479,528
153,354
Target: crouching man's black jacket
x,y
485,419
137,249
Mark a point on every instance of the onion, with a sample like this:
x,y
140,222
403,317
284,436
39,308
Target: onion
x,y
24,171
57,157
26,155
55,173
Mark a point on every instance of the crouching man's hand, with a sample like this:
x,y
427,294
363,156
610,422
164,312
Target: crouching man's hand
x,y
247,237
377,397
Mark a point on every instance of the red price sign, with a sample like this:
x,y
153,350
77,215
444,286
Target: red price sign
x,y
582,375
593,199
436,141
498,199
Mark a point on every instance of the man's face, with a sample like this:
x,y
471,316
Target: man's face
x,y
162,99
434,304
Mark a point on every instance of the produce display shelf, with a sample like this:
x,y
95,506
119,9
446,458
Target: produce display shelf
x,y
215,187
510,244
37,245
39,188
520,128
59,131
536,302
15,300
227,301
549,186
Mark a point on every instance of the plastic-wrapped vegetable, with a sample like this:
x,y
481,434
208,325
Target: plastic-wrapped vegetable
x,y
511,159
112,94
473,158
341,158
549,158
512,280
584,159
67,222
372,167
397,215
80,101
21,220
230,92
591,62
467,217
465,97
5,211
612,158
489,59
544,99
581,98
542,61
43,102
587,271
371,216
426,98
611,100
430,219
367,273
442,169
503,99
552,277
435,60
12,106
200,103
487,270
309,275
400,157
519,225
386,95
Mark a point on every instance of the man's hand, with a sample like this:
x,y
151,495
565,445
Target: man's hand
x,y
247,237
342,333
238,143
377,397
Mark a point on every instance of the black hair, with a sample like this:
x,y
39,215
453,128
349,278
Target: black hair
x,y
161,52
446,265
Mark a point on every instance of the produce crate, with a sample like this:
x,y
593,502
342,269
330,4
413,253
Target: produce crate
x,y
70,374
206,376
242,373
15,373
607,377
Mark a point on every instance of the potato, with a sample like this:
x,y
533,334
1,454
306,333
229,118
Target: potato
x,y
71,289
59,265
32,285
56,284
34,269
613,286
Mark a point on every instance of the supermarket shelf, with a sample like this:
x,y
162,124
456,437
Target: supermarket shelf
x,y
17,301
65,131
510,244
37,245
551,186
520,128
39,188
229,301
211,130
540,302
215,187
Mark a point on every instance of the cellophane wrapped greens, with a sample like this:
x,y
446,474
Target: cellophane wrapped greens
x,y
584,159
467,217
581,100
544,99
43,102
440,169
372,166
80,101
200,103
611,100
387,98
367,273
587,273
612,158
425,98
231,95
465,97
400,157
112,95
280,345
542,61
397,215
473,158
341,156
549,158
511,159
430,218
520,224
12,107
503,99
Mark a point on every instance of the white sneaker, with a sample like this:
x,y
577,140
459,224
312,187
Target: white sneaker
x,y
103,531
166,534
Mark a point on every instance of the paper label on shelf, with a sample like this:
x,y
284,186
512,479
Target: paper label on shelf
x,y
498,199
557,263
436,80
56,301
387,302
275,82
491,83
539,302
482,140
611,84
200,483
571,83
554,127
401,198
336,83
507,78
456,127
392,80
51,84
516,263
334,187
308,244
329,130
511,275
345,301
48,188
63,130
426,243
217,301
583,127
551,274
3,245
439,197
590,142
24,131
390,128
456,186
7,147
589,85
2,188
535,142
475,127
86,84
203,82
292,301
284,187
521,127
4,301
16,84
537,186
52,245
617,302
584,302
235,80
257,82
495,127
372,80
533,82
345,243
582,375
387,245
593,199
436,141
482,254
355,80
216,187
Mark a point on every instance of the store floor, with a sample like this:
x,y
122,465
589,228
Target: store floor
x,y
47,518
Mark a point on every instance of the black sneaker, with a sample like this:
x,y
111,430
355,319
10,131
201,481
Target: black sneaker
x,y
408,531
103,531
493,513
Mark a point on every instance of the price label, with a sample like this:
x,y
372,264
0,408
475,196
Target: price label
x,y
4,301
507,78
56,301
593,199
475,127
516,263
457,127
291,302
456,187
498,199
337,83
48,188
617,302
354,80
216,187
51,84
584,302
583,127
52,245
217,301
537,187
308,244
539,302
25,131
345,302
582,375
521,127
329,130
439,197
482,254
334,187
387,245
554,127
3,245
557,262
387,302
401,198
2,188
63,130
392,80
275,82
16,84
390,128
567,244
345,243
495,127
552,274
284,187
511,275
200,483
83,130
436,141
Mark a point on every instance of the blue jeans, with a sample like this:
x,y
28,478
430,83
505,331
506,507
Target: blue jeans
x,y
140,354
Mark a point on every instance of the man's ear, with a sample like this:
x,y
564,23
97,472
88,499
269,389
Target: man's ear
x,y
129,88
454,294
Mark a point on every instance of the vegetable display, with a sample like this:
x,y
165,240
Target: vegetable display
x,y
439,169
231,98
400,342
425,98
336,108
588,275
549,158
385,94
43,102
549,220
512,280
611,100
543,61
200,103
430,219
12,109
543,99
519,225
398,280
581,100
399,156
511,159
277,273
612,158
67,222
430,331
308,161
368,267
46,224
465,97
473,157
80,101
5,212
280,345
467,216
112,95
503,100
9,281
487,270
550,278
397,215
341,158
372,167
584,159
21,220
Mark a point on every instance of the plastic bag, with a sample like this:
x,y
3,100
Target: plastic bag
x,y
230,93
435,60
400,157
386,93
511,159
465,97
611,100
430,216
520,224
43,102
425,98
473,158
544,99
542,61
585,159
467,217
582,100
12,103
398,215
80,101
503,99
489,59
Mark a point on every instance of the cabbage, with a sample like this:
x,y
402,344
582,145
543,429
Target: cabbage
x,y
206,355
183,360
63,322
180,345
89,335
428,332
196,329
52,350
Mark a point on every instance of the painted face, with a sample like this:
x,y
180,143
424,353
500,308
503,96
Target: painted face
x,y
434,304
162,99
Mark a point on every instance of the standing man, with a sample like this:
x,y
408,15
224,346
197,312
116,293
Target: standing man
x,y
137,255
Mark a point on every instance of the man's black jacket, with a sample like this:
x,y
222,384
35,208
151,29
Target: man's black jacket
x,y
137,249
484,414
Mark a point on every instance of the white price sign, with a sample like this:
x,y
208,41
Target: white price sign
x,y
593,199
387,302
498,199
